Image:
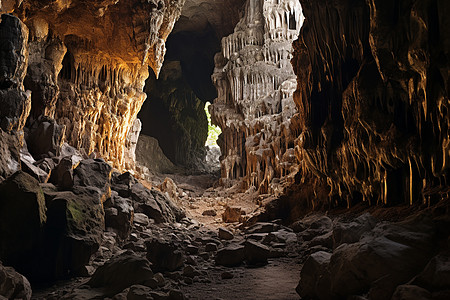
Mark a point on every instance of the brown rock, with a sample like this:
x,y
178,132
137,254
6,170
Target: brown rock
x,y
225,234
232,214
209,212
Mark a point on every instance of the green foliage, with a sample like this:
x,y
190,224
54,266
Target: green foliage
x,y
213,130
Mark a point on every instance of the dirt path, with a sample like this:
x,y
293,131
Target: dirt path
x,y
276,281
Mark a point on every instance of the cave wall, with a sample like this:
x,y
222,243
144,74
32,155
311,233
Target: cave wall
x,y
87,66
373,102
255,83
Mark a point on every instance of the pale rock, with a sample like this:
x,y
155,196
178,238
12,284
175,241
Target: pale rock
x,y
255,83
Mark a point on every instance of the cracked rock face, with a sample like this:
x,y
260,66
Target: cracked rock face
x,y
15,102
88,62
373,100
255,83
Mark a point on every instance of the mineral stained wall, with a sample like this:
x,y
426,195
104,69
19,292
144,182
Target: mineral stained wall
x,y
255,83
87,65
372,98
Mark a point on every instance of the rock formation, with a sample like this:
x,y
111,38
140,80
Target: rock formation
x,y
255,83
87,66
373,102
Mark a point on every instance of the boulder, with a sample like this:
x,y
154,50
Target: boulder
x,y
73,231
141,219
94,173
232,214
164,255
45,138
22,217
315,277
155,204
210,247
119,215
46,164
13,285
351,232
436,274
34,171
122,183
313,226
120,272
169,187
225,234
209,212
317,223
256,253
28,166
324,240
280,236
139,292
262,227
62,175
230,256
396,252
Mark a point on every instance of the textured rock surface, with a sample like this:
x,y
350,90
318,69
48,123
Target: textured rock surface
x,y
22,218
255,83
149,155
373,101
9,153
15,102
87,68
13,285
121,272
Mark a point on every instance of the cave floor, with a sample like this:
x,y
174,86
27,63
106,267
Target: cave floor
x,y
200,276
205,201
196,194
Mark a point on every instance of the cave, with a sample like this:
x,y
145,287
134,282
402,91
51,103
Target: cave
x,y
174,113
235,149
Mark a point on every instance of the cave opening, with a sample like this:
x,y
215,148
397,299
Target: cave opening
x,y
176,111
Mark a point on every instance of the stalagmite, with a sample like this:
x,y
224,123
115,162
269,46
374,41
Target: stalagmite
x,y
254,69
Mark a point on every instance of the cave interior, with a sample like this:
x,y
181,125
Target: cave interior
x,y
223,149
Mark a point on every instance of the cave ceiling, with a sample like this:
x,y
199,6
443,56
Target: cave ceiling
x,y
222,15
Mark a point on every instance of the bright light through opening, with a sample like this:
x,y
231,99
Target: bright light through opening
x,y
213,130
